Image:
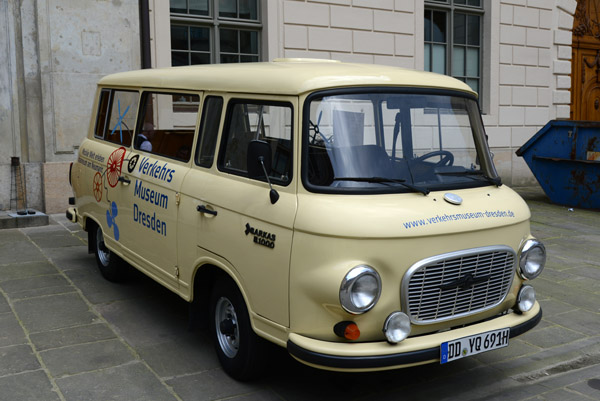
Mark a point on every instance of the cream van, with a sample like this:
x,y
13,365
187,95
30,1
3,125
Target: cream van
x,y
350,213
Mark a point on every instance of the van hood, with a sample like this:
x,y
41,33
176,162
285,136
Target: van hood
x,y
409,214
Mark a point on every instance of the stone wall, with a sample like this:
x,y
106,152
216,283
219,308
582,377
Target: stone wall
x,y
56,51
364,31
526,62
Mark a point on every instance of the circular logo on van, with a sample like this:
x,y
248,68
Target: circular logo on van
x,y
452,198
132,163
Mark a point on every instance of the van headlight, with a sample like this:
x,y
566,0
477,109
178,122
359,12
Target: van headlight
x,y
360,289
532,259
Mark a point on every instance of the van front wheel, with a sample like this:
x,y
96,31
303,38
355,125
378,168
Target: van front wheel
x,y
110,265
240,350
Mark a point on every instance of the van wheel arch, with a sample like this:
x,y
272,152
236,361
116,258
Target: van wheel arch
x,y
204,279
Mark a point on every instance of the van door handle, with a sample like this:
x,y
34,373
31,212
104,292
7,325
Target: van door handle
x,y
204,209
124,180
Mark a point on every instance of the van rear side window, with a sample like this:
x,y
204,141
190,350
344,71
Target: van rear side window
x,y
115,120
163,131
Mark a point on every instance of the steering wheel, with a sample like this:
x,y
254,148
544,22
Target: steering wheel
x,y
447,157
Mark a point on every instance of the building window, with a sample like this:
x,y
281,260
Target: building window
x,y
214,31
453,37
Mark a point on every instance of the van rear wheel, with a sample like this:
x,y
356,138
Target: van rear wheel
x,y
109,264
239,349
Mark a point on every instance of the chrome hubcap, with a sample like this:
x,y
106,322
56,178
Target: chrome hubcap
x,y
103,252
228,331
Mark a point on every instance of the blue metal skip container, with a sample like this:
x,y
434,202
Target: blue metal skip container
x,y
564,157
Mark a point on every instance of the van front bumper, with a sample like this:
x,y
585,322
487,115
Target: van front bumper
x,y
410,352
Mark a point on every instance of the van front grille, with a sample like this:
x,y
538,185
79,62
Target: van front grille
x,y
458,284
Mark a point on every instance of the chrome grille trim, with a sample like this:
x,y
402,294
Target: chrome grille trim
x,y
426,303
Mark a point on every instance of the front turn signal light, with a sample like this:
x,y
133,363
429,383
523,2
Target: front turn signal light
x,y
347,330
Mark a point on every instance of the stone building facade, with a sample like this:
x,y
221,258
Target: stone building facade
x,y
52,52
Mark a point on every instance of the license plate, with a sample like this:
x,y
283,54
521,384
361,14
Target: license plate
x,y
473,345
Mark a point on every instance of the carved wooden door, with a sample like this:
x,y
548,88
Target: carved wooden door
x,y
585,69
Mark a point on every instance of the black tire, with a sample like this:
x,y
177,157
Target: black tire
x,y
110,265
240,351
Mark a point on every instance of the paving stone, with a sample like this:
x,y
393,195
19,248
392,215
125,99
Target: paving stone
x,y
53,312
210,385
545,232
582,299
581,321
73,258
86,357
131,382
552,307
60,239
29,386
19,252
26,270
265,395
527,391
4,306
551,336
11,332
36,286
516,348
61,219
586,370
590,271
71,336
561,395
188,354
543,360
17,359
147,321
578,283
11,236
589,387
98,290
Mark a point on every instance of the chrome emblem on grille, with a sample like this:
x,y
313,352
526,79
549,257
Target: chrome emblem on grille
x,y
465,282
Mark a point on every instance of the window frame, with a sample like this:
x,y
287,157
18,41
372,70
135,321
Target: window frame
x,y
480,143
225,131
449,7
141,116
215,23
202,131
110,94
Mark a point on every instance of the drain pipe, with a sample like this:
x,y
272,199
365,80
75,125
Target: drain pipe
x,y
145,34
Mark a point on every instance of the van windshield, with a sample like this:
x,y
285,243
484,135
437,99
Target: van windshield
x,y
395,142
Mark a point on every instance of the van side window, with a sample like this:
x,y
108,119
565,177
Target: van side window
x,y
209,129
269,122
163,131
121,109
102,114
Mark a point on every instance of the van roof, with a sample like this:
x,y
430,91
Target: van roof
x,y
281,76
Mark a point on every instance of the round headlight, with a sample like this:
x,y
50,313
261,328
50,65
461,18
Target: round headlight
x,y
532,259
526,298
360,289
396,327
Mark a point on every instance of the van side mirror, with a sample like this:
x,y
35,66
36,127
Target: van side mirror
x,y
256,150
259,164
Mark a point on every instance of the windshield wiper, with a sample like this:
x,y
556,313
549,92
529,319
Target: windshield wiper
x,y
383,180
496,181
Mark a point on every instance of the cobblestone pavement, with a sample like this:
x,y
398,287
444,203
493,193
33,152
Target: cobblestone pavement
x,y
67,334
